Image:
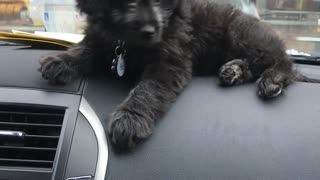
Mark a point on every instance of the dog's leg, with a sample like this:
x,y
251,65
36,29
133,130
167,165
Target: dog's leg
x,y
133,120
265,53
62,67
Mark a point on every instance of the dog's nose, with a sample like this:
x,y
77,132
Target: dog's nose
x,y
148,31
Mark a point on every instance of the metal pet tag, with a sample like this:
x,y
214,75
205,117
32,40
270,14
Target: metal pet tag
x,y
118,64
121,66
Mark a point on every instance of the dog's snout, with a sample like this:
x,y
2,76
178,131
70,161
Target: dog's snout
x,y
148,30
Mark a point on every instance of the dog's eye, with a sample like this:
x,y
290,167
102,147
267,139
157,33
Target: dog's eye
x,y
157,2
132,4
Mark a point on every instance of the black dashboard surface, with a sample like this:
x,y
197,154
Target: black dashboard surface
x,y
18,68
221,133
210,132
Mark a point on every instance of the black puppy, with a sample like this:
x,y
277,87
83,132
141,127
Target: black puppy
x,y
165,42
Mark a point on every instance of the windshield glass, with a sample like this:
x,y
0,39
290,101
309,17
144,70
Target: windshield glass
x,y
296,21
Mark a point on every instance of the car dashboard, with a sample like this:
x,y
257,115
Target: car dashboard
x,y
58,132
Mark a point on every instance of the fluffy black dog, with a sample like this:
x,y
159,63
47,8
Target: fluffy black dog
x,y
165,42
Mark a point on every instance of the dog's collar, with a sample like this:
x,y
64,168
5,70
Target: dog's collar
x,y
118,66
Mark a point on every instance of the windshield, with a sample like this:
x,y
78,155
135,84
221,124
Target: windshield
x,y
296,21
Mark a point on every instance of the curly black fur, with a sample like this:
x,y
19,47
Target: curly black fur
x,y
167,41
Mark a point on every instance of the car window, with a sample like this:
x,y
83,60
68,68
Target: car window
x,y
40,15
296,21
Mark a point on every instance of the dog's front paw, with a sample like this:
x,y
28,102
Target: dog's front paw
x,y
56,70
127,128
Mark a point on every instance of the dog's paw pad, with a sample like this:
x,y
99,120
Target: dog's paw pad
x,y
230,74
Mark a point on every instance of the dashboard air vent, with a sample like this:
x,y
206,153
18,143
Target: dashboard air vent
x,y
29,135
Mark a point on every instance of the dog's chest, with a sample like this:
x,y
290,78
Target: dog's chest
x,y
136,60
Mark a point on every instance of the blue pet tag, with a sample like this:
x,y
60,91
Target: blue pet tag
x,y
118,64
121,66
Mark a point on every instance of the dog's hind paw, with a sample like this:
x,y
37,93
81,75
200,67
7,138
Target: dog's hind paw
x,y
234,72
56,70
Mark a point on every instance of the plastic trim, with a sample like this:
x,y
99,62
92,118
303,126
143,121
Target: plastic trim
x,y
94,121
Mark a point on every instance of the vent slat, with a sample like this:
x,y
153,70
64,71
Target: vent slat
x,y
25,160
28,141
23,164
32,118
32,130
40,136
29,113
41,127
28,148
29,124
28,154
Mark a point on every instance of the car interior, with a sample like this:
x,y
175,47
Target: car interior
x,y
58,132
